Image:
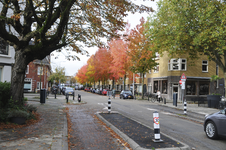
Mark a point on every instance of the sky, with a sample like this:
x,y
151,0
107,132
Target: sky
x,y
72,67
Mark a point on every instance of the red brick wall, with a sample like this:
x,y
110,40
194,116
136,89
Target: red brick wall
x,y
32,74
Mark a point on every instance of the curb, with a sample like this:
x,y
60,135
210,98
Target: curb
x,y
188,118
132,143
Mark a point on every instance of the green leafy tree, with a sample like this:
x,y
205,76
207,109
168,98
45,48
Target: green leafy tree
x,y
194,27
55,24
58,75
141,57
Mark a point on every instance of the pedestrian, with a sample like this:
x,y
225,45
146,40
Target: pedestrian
x,y
158,95
113,93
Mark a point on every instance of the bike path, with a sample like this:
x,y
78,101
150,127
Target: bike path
x,y
140,137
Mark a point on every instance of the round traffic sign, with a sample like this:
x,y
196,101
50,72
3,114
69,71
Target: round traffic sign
x,y
180,82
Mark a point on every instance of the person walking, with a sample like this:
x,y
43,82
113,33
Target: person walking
x,y
159,95
113,93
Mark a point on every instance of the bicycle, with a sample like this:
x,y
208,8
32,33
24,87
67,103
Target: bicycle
x,y
155,98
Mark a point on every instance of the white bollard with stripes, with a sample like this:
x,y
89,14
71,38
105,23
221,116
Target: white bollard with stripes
x,y
156,127
109,105
185,107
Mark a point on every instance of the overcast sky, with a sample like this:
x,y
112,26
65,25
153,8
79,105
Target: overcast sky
x,y
72,67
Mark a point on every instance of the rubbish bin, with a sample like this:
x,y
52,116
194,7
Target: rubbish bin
x,y
175,99
213,101
43,96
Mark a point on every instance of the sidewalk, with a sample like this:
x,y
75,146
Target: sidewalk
x,y
87,133
49,133
192,108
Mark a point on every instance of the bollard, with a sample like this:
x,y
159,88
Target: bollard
x,y
67,97
74,96
55,94
109,105
185,107
156,127
164,100
79,98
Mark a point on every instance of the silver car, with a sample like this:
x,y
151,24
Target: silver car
x,y
215,124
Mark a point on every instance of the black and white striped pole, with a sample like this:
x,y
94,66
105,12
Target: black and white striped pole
x,y
185,107
156,127
109,105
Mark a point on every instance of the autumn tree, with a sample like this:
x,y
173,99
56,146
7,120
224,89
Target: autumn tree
x,y
103,61
91,70
58,75
81,75
192,27
140,55
120,63
56,24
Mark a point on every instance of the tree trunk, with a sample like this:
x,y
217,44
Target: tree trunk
x,y
17,79
124,84
142,88
113,83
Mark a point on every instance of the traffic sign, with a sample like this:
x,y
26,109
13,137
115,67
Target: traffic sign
x,y
183,76
180,82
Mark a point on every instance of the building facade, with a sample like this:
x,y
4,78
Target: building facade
x,y
37,74
7,54
167,74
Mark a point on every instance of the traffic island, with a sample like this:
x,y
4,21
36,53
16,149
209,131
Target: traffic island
x,y
138,136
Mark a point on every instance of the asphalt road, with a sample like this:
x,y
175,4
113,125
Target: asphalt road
x,y
188,132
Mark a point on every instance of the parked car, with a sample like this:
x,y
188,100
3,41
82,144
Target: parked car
x,y
69,91
104,92
126,95
94,90
63,90
100,91
214,124
97,91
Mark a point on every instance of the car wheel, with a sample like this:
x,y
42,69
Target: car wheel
x,y
211,130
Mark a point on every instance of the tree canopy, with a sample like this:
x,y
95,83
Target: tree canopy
x,y
58,75
141,57
56,24
192,27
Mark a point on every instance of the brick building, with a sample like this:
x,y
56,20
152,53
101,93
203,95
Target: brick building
x,y
37,70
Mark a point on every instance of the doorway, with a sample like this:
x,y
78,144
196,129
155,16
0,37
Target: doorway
x,y
175,90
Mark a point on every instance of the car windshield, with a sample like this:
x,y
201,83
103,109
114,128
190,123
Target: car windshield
x,y
127,92
69,89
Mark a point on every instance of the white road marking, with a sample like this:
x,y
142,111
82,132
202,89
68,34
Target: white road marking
x,y
203,113
166,113
151,109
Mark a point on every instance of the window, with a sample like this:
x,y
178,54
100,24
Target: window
x,y
164,86
38,85
27,70
204,66
203,88
40,71
155,86
177,64
191,88
156,69
4,48
27,84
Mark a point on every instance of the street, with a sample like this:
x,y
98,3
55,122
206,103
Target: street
x,y
188,132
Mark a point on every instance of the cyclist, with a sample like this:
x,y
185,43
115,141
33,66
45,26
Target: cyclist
x,y
158,95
